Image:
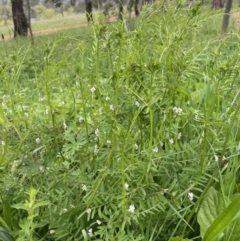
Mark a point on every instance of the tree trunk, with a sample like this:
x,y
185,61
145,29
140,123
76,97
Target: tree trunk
x,y
226,15
217,4
89,11
136,3
120,10
19,19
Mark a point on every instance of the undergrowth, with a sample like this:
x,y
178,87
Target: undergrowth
x,y
120,135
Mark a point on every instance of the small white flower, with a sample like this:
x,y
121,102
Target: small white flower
x,y
64,125
96,132
72,206
126,186
89,210
111,107
179,135
136,146
90,233
79,96
3,143
190,196
65,210
98,222
92,89
171,141
41,169
42,99
177,110
84,187
109,142
46,112
52,231
107,98
137,104
119,159
81,119
4,97
95,150
216,158
100,111
63,102
196,117
131,208
26,114
155,149
38,140
4,106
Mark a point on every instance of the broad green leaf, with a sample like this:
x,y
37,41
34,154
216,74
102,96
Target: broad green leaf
x,y
177,238
212,206
223,220
4,235
235,231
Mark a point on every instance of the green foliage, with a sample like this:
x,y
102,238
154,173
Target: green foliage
x,y
120,135
216,214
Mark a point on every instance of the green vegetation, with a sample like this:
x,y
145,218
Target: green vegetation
x,y
111,134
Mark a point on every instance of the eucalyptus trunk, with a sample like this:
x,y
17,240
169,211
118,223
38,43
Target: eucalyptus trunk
x,y
226,15
19,19
89,10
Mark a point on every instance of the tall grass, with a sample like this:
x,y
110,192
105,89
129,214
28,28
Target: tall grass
x,y
119,135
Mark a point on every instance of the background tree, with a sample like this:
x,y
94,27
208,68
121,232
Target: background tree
x,y
217,4
19,19
226,15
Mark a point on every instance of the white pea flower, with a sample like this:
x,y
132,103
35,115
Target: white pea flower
x,y
119,159
92,89
99,222
52,231
81,119
4,106
136,146
46,112
137,104
109,142
84,187
42,99
65,210
100,111
190,196
111,107
96,132
95,150
179,135
107,98
90,233
26,114
126,186
177,110
3,143
131,208
216,158
38,140
4,97
155,149
64,125
171,141
63,103
89,210
41,169
72,206
196,117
